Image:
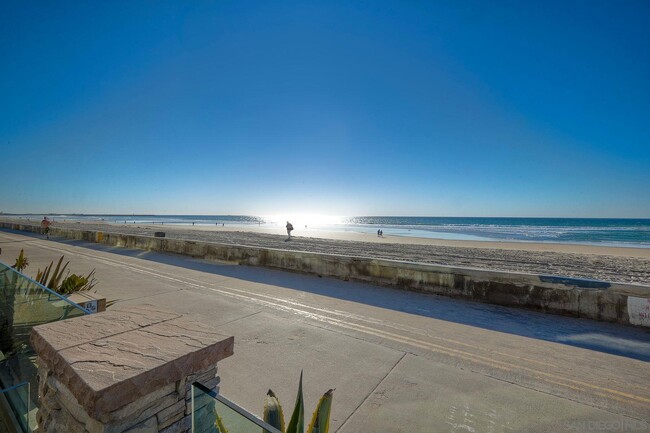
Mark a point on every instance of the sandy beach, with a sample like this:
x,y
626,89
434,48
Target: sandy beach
x,y
619,264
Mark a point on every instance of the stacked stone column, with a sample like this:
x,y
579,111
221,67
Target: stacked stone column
x,y
127,370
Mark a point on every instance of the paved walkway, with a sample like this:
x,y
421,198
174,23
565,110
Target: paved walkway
x,y
400,362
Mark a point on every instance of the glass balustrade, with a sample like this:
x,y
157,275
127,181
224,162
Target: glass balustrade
x,y
16,408
211,410
24,303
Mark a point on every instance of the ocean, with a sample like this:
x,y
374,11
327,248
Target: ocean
x,y
593,231
618,232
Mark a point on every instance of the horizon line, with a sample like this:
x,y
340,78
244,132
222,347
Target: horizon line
x,y
340,216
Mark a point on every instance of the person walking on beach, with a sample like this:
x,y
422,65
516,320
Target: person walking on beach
x,y
45,225
289,229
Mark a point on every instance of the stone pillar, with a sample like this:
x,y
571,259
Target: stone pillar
x,y
124,370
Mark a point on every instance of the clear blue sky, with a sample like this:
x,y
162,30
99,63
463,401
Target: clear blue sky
x,y
466,108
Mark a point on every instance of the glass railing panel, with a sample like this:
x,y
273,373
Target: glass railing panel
x,y
210,410
16,408
24,304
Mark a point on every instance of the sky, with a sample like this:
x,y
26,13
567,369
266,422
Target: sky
x,y
463,108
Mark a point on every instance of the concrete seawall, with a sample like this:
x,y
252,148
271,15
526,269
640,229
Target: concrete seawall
x,y
598,300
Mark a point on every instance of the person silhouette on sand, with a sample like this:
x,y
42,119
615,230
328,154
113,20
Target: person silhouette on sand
x,y
289,229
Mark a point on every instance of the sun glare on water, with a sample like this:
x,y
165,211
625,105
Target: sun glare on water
x,y
301,220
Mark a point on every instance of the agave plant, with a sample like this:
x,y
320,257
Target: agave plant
x,y
320,421
43,276
70,284
21,262
77,283
273,415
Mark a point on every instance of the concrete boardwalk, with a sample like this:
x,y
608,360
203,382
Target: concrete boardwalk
x,y
400,362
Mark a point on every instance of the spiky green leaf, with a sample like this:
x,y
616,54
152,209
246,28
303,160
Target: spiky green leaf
x,y
320,420
42,277
273,414
58,273
297,422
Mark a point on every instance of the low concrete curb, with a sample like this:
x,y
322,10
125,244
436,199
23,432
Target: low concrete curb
x,y
592,299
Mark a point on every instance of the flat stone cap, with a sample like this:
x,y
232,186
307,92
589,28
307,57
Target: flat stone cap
x,y
110,359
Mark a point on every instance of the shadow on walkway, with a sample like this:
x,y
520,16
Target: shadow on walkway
x,y
604,337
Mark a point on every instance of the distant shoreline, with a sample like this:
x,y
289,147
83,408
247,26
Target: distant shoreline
x,y
615,264
510,233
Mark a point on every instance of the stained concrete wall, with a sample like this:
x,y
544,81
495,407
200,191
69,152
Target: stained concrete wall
x,y
591,299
